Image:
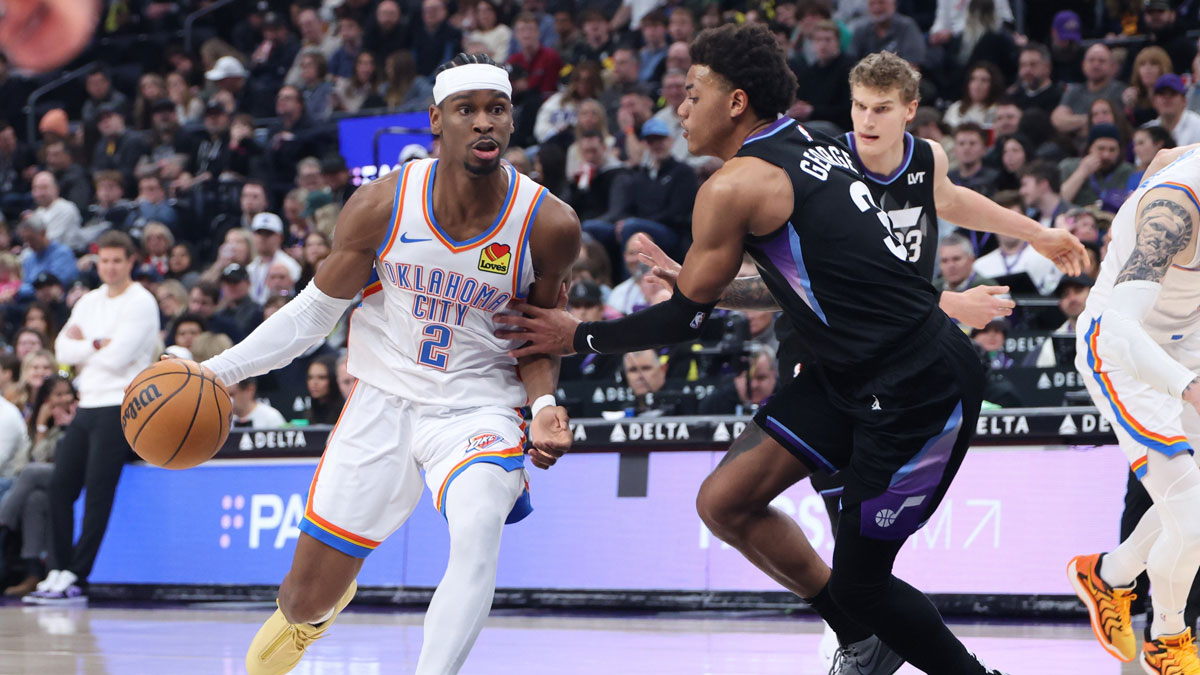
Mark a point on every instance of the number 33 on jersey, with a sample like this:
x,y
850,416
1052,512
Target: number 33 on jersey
x,y
425,328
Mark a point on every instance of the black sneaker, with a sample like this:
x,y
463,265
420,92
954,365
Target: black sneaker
x,y
866,657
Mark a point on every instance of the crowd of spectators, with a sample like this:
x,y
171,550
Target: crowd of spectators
x,y
222,162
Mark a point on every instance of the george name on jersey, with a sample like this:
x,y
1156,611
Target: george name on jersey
x,y
820,159
442,296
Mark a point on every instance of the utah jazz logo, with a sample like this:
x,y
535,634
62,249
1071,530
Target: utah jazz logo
x,y
495,259
135,404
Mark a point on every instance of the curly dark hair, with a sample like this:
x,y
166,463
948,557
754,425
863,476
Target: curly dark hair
x,y
748,57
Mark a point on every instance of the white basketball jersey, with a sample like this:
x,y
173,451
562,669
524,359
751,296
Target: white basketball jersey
x,y
424,330
1176,314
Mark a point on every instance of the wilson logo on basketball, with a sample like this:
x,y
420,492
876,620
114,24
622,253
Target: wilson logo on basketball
x,y
144,398
495,259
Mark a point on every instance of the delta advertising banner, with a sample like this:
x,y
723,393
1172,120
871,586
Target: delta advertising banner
x,y
1012,519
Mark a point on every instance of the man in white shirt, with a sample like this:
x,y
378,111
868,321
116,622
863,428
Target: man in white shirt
x,y
1015,257
268,242
112,335
61,216
1170,101
249,412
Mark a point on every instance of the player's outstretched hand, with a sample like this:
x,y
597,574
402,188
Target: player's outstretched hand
x,y
663,270
1063,248
550,436
977,306
545,331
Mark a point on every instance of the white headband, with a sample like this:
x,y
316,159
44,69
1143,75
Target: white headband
x,y
468,78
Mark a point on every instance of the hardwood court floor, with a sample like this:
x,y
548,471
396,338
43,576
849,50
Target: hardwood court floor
x,y
211,640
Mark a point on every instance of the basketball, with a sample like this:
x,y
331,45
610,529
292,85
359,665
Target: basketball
x,y
176,414
45,34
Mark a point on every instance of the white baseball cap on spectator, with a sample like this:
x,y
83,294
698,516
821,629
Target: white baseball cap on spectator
x,y
413,151
267,221
226,67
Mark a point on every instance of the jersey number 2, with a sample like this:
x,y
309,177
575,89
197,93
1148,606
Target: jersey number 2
x,y
434,347
861,195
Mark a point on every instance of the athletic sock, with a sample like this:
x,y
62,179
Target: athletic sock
x,y
847,629
324,617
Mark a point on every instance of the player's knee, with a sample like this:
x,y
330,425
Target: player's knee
x,y
722,513
1177,509
475,526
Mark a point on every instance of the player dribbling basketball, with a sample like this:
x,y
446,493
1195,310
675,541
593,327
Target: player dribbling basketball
x,y
437,248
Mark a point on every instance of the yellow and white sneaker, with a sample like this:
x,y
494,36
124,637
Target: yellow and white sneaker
x,y
280,645
1108,607
1171,655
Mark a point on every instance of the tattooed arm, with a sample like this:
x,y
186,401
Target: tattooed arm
x,y
744,293
1166,230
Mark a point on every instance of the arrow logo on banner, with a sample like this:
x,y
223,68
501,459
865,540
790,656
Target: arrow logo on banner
x,y
1068,426
721,435
1044,382
617,435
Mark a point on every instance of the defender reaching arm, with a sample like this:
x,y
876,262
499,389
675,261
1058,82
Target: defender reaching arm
x,y
967,208
711,264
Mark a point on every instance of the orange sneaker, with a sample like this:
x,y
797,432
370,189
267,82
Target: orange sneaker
x,y
1171,655
1108,608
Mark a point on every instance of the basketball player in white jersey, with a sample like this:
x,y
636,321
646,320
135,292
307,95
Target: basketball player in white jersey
x,y
436,248
1139,352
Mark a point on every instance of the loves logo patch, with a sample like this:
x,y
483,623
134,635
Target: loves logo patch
x,y
495,258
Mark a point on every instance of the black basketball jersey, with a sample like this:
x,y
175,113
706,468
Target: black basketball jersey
x,y
836,268
907,197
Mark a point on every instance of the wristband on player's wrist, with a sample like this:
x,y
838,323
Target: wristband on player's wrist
x,y
546,401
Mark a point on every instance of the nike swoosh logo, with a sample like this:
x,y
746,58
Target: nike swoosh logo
x,y
589,341
405,240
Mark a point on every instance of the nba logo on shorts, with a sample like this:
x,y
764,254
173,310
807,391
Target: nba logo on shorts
x,y
483,441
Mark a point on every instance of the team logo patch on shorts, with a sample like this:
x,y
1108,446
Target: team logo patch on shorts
x,y
495,259
483,441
